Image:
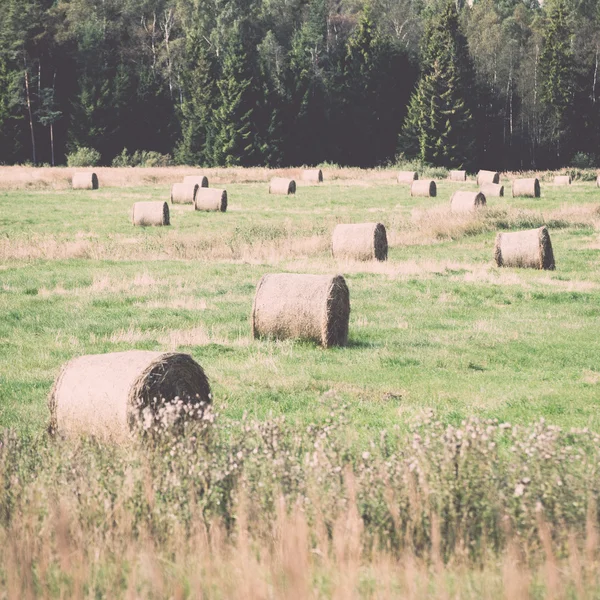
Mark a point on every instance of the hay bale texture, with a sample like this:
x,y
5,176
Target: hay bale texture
x,y
466,201
424,188
117,394
488,177
360,241
184,193
530,249
155,214
407,176
458,175
312,175
529,188
211,199
201,180
598,181
306,307
493,190
86,180
562,180
281,185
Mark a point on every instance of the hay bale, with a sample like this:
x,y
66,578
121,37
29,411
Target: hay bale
x,y
307,307
529,188
312,175
184,193
211,199
360,241
407,176
150,213
281,185
425,188
458,175
598,181
492,190
117,394
466,201
488,177
562,180
527,249
85,180
201,180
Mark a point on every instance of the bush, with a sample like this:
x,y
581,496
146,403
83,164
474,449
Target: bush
x,y
425,170
581,160
142,158
83,157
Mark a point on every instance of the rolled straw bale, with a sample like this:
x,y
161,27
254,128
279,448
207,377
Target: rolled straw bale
x,y
201,180
281,185
598,181
184,193
312,175
150,213
562,180
407,176
211,199
488,177
458,175
114,395
526,187
308,307
85,180
492,189
466,201
423,187
527,249
360,241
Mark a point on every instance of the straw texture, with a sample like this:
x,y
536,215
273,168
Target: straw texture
x,y
488,177
407,176
144,214
184,193
425,188
360,241
114,395
211,199
86,180
527,249
492,190
562,180
201,180
281,185
458,175
529,188
312,175
306,307
466,201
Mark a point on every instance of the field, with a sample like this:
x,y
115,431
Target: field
x,y
437,333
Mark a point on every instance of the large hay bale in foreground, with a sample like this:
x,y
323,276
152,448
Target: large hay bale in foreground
x,y
407,176
425,188
184,193
488,177
529,188
85,180
527,249
466,201
114,395
211,199
458,175
281,185
312,175
156,214
360,241
562,180
306,307
201,180
493,190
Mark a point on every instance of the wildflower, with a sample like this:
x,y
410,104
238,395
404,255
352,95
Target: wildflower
x,y
519,490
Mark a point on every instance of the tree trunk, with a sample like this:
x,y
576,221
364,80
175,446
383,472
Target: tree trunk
x,y
30,115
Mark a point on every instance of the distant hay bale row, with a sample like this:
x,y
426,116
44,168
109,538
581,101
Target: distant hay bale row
x,y
527,249
493,190
211,199
200,180
146,214
281,185
360,241
85,180
529,188
562,180
304,307
458,175
407,176
466,201
425,188
487,177
184,193
312,175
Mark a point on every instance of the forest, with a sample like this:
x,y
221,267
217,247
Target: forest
x,y
501,84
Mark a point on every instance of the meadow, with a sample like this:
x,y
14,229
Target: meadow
x,y
439,338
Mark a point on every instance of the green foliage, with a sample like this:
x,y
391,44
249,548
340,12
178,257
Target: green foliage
x,y
581,160
83,157
141,158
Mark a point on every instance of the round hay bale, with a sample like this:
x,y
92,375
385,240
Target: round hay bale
x,y
530,249
529,188
306,307
407,176
312,175
150,213
201,180
281,185
115,395
360,241
211,199
458,175
492,189
425,188
85,180
488,177
184,193
466,201
598,181
562,180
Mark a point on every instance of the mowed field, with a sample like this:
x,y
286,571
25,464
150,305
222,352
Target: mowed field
x,y
438,326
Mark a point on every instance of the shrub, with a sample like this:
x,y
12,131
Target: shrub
x,y
83,157
581,160
142,158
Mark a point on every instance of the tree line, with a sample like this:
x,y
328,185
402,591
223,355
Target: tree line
x,y
503,84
